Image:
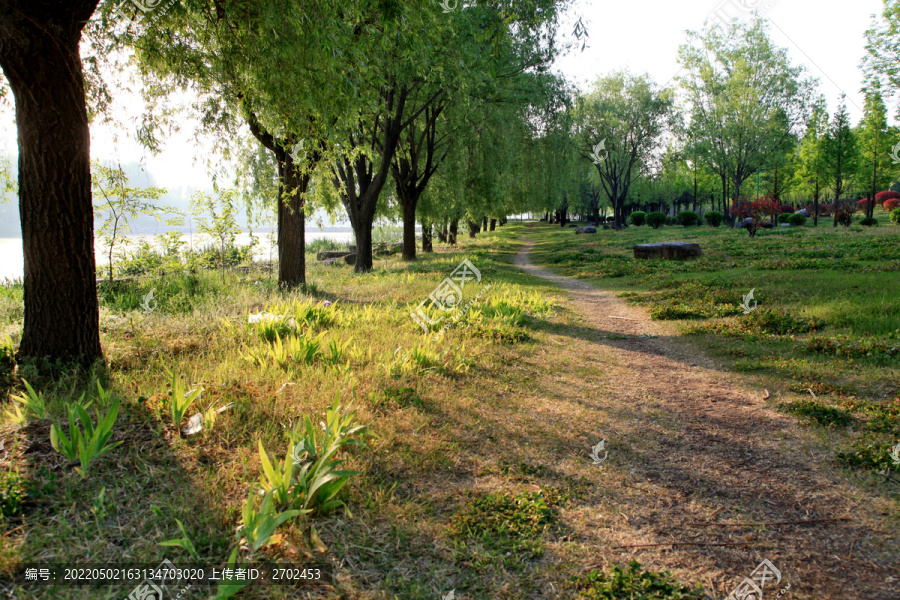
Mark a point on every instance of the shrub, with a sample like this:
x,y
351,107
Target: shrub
x,y
891,204
638,217
784,218
887,195
713,218
895,216
786,210
863,204
796,219
688,218
655,219
869,221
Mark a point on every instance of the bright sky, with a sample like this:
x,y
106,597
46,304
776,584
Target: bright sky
x,y
642,35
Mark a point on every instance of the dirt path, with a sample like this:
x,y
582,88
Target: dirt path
x,y
693,451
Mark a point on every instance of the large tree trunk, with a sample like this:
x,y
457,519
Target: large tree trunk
x,y
484,224
39,54
363,235
492,225
426,237
454,231
408,201
291,224
442,233
473,229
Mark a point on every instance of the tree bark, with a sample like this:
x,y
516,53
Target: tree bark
x,y
408,200
291,224
492,225
454,230
442,233
502,221
426,237
473,229
39,54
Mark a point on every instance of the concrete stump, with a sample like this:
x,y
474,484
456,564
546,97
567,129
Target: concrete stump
x,y
668,250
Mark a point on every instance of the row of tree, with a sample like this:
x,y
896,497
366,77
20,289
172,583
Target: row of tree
x,y
741,115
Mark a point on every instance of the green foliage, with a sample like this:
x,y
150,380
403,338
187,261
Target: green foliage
x,y
180,400
895,216
314,450
656,219
33,404
784,217
869,453
13,494
184,542
84,446
634,584
121,204
778,322
822,414
687,218
258,524
289,352
867,347
868,222
505,522
714,218
638,218
215,217
796,219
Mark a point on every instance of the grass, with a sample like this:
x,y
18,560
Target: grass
x,y
453,489
827,312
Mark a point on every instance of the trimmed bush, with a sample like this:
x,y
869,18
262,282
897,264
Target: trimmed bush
x,y
784,218
890,204
885,196
714,218
688,218
895,216
869,222
638,217
656,219
796,219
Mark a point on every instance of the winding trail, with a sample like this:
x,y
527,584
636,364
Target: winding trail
x,y
698,460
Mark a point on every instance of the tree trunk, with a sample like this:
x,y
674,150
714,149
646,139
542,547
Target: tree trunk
x,y
454,230
492,225
39,54
363,233
442,233
291,224
473,229
484,224
502,221
426,237
816,206
408,203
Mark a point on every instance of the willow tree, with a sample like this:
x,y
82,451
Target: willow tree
x,y
284,70
616,126
746,101
41,60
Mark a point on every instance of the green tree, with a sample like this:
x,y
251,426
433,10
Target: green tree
x,y
745,100
840,152
119,203
215,217
875,141
616,126
812,162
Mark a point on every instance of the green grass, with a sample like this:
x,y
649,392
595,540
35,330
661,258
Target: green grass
x,y
826,316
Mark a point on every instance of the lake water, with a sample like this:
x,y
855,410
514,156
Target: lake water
x,y
12,260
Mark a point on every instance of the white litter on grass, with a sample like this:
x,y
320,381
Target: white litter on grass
x,y
195,423
281,389
267,317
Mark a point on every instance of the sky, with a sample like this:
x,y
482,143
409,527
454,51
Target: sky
x,y
640,35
